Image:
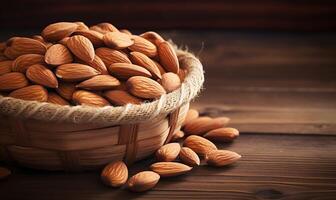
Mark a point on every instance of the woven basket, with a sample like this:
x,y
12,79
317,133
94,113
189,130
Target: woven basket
x,y
73,138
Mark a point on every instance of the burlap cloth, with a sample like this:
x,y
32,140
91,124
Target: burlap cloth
x,y
110,115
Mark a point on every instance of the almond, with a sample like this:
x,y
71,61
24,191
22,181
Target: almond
x,y
153,37
125,70
199,144
81,47
144,46
58,54
66,90
20,45
168,169
95,37
222,134
144,87
110,56
168,58
143,181
189,157
56,99
57,31
99,82
82,97
41,75
64,41
4,173
191,115
220,158
117,40
5,66
12,81
75,72
31,93
144,61
121,97
177,135
98,64
22,63
170,82
126,31
162,71
107,27
202,125
115,174
81,26
168,152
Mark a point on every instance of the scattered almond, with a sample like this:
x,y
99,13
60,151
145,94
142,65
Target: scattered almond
x,y
199,144
220,158
191,115
58,54
82,97
143,181
12,81
168,57
121,97
177,135
81,47
222,134
144,87
31,93
189,157
75,72
170,82
99,82
168,152
115,174
168,169
201,125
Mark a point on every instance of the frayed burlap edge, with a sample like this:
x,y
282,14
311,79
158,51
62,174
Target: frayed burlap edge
x,y
110,115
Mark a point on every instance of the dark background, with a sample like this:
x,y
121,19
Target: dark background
x,y
298,15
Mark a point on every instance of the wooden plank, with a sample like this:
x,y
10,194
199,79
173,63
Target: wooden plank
x,y
272,166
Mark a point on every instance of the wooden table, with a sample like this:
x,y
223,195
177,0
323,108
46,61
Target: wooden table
x,y
280,91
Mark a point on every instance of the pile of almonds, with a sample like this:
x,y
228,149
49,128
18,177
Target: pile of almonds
x,y
173,160
73,64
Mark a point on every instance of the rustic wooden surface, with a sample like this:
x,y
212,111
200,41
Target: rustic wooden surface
x,y
280,91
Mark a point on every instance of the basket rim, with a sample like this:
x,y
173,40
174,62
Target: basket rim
x,y
112,115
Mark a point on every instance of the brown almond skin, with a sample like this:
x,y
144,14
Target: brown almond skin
x,y
168,57
57,31
170,82
41,75
222,134
73,72
12,81
144,61
117,40
108,27
4,173
189,157
54,98
177,136
22,62
201,125
98,65
58,54
219,158
95,37
110,56
199,145
5,66
31,93
66,90
168,152
169,169
125,70
99,82
82,97
143,181
144,87
153,37
144,46
121,98
18,46
81,47
191,115
115,174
